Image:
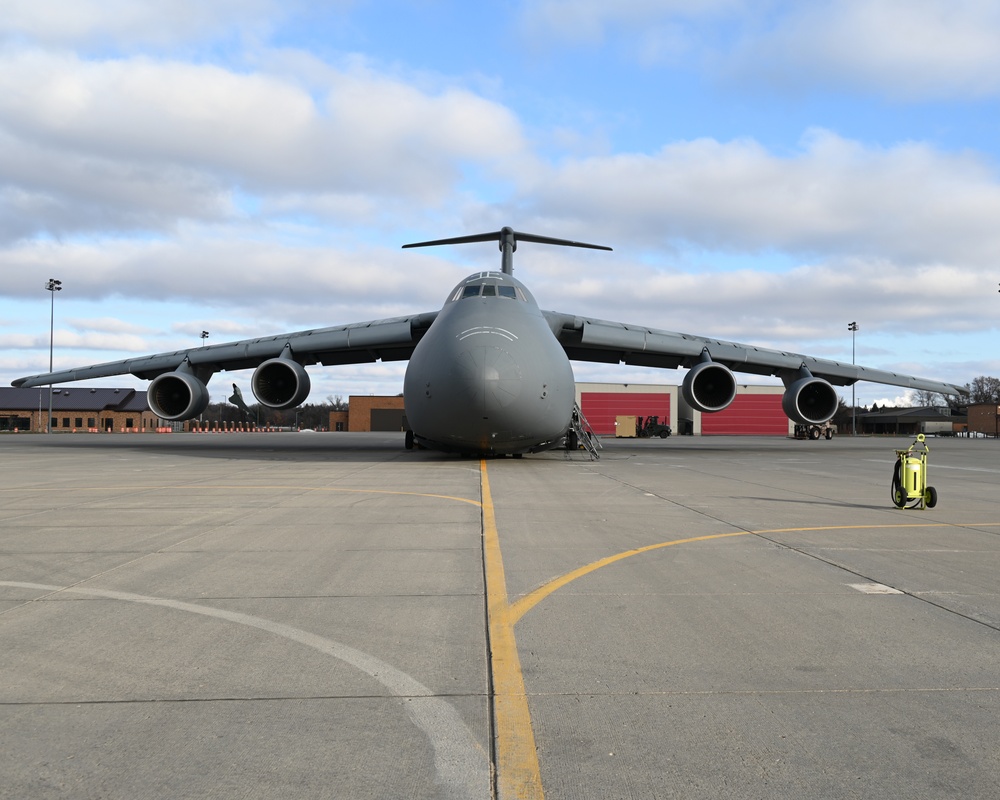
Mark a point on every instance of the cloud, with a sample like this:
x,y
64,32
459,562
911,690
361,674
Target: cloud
x,y
908,49
236,269
127,23
112,325
907,202
905,49
139,144
72,340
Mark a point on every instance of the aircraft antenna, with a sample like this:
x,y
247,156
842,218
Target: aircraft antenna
x,y
508,238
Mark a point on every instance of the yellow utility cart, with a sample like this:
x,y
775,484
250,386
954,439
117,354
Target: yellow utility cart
x,y
909,477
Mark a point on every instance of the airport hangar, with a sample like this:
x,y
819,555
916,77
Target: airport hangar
x,y
755,411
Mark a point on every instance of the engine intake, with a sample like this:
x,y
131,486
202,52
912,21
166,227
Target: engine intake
x,y
280,383
709,386
177,396
810,401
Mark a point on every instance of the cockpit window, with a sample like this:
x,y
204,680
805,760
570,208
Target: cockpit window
x,y
488,290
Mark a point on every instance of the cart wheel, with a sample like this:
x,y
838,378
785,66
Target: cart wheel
x,y
814,432
930,497
829,433
897,493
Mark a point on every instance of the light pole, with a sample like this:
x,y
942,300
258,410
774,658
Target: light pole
x,y
204,336
53,286
853,328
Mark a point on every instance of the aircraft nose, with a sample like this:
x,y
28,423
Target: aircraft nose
x,y
490,377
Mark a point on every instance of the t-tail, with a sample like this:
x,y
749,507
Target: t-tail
x,y
508,239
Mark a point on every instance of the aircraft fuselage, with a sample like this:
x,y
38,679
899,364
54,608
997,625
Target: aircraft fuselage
x,y
489,376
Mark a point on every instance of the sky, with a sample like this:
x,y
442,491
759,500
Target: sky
x,y
767,172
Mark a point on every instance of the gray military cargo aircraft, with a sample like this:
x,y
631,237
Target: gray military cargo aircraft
x,y
489,373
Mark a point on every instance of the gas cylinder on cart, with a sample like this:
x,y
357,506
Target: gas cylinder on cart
x,y
909,477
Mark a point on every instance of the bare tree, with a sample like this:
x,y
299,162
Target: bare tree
x,y
984,389
925,399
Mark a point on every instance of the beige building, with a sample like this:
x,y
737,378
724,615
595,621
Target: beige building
x,y
77,409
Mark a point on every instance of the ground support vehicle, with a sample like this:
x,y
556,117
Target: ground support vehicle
x,y
651,426
814,431
909,477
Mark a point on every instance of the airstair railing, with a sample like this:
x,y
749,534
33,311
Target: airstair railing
x,y
585,434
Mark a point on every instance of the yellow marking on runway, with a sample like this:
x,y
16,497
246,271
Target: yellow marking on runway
x,y
518,773
527,602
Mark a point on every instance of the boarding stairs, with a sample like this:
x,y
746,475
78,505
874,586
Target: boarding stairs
x,y
582,434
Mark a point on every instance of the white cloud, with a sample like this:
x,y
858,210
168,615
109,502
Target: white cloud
x,y
904,48
112,325
907,49
907,202
125,22
138,143
234,269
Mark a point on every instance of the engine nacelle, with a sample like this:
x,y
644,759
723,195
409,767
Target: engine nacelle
x,y
709,386
280,383
810,401
177,396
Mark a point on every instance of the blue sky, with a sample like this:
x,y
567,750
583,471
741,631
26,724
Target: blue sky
x,y
766,171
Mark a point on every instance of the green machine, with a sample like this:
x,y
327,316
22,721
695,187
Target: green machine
x,y
909,477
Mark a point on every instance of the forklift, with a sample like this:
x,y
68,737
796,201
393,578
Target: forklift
x,y
648,427
825,430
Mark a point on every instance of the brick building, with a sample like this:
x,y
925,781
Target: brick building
x,y
984,418
76,409
370,413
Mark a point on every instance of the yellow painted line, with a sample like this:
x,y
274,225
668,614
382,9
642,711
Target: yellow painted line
x,y
524,604
529,601
518,773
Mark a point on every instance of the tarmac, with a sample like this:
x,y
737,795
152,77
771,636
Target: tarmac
x,y
328,615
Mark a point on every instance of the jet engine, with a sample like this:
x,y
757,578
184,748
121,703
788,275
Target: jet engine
x,y
280,383
177,396
810,401
709,386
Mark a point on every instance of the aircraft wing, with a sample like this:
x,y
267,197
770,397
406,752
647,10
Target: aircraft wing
x,y
586,339
377,340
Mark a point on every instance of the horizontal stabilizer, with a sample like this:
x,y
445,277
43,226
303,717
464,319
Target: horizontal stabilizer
x,y
508,238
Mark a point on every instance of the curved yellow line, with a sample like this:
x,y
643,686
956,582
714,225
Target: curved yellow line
x,y
527,602
524,604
